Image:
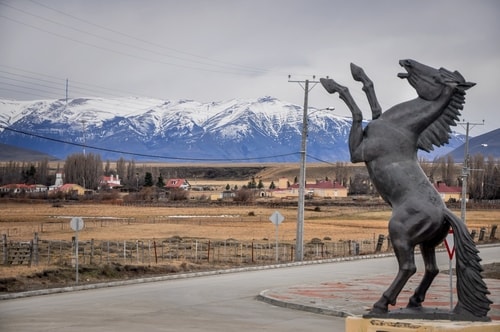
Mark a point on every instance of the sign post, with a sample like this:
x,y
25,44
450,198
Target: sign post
x,y
449,243
276,218
76,224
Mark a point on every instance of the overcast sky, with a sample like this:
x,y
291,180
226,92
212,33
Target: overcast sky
x,y
218,50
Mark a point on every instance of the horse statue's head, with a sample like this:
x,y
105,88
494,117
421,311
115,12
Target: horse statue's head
x,y
430,82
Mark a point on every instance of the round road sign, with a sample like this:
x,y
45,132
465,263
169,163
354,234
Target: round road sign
x,y
76,223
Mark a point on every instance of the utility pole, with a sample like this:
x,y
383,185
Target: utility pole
x,y
84,156
465,168
84,139
299,246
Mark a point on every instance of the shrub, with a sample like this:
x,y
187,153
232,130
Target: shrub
x,y
243,195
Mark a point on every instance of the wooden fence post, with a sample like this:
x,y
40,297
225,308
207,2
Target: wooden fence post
x,y
5,249
35,249
91,251
493,231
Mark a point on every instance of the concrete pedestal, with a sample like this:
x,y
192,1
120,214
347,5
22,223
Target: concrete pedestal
x,y
360,324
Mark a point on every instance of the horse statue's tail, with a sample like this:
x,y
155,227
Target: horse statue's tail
x,y
471,288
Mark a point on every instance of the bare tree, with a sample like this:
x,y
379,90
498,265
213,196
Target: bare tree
x,y
476,176
132,178
42,172
491,181
107,168
121,168
83,169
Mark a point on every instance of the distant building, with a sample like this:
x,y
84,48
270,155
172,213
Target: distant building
x,y
72,188
23,188
448,192
112,181
58,182
178,184
321,188
283,183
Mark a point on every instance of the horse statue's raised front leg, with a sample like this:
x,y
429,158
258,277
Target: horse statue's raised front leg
x,y
356,133
359,75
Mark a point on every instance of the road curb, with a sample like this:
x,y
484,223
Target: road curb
x,y
303,307
49,291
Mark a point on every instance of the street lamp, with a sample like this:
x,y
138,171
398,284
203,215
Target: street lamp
x,y
466,170
299,251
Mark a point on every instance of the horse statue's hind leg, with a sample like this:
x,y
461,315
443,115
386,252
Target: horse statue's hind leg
x,y
431,271
405,255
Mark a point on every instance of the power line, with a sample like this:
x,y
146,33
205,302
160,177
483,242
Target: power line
x,y
189,58
225,63
211,67
57,85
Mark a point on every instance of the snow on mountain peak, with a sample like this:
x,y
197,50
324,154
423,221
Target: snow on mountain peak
x,y
232,129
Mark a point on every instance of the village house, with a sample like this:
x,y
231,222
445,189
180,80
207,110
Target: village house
x,y
72,188
448,192
321,188
111,182
178,184
23,188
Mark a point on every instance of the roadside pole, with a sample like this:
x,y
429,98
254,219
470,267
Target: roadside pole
x,y
449,243
76,224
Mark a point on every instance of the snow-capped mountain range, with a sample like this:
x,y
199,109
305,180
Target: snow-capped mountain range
x,y
261,130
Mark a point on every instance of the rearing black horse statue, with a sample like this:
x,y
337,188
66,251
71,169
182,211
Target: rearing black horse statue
x,y
388,145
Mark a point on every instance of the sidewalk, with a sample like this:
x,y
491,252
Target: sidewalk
x,y
357,296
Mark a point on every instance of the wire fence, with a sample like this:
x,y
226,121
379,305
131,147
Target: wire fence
x,y
38,251
159,251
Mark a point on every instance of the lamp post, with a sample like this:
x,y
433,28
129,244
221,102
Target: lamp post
x,y
299,247
465,174
466,170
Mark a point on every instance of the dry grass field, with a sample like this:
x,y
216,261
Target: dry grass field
x,y
113,222
131,223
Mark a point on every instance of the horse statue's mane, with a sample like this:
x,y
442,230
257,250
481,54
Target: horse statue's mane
x,y
438,132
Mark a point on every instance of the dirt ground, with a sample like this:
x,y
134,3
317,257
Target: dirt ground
x,y
26,279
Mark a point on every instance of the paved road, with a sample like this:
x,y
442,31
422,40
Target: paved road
x,y
224,302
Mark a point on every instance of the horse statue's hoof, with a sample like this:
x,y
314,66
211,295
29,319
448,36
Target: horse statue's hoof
x,y
357,73
414,304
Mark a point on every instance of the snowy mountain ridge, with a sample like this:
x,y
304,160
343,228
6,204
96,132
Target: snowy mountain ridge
x,y
262,130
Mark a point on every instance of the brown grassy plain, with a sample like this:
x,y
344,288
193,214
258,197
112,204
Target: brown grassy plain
x,y
113,222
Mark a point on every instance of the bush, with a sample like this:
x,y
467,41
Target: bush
x,y
243,195
178,195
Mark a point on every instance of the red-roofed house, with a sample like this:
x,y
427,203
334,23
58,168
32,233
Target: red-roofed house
x,y
21,187
178,184
448,192
112,181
